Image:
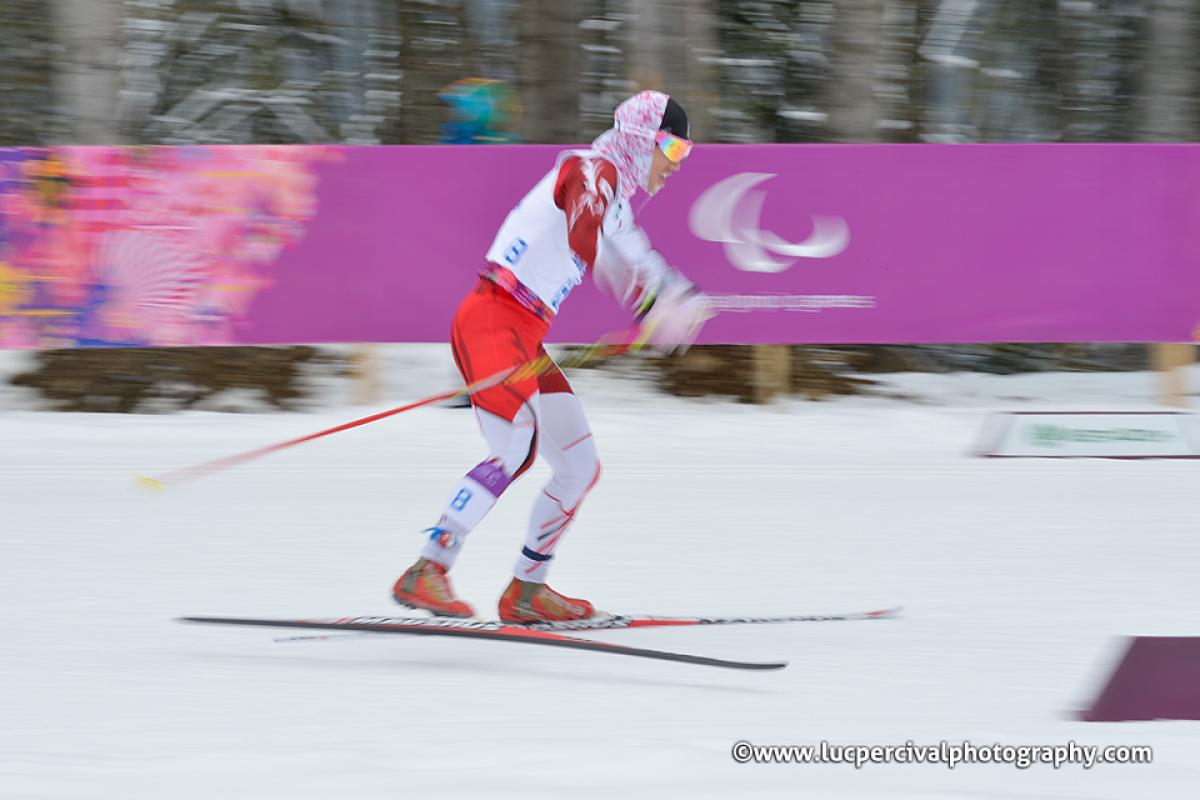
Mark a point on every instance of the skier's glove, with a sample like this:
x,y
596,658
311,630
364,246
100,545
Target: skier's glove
x,y
671,318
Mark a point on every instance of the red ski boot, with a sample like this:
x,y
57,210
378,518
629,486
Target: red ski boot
x,y
425,585
524,601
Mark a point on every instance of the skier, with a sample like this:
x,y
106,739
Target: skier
x,y
576,220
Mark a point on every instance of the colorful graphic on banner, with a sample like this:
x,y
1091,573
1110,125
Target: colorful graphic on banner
x,y
795,243
155,246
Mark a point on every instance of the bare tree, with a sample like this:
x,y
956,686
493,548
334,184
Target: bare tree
x,y
26,73
1168,113
549,69
87,73
858,38
1168,105
672,47
261,71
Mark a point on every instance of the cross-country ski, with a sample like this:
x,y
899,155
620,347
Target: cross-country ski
x,y
489,631
604,622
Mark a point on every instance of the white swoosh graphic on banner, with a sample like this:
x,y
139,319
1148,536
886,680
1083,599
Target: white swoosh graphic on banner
x,y
730,213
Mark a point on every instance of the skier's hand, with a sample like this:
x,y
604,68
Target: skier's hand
x,y
673,319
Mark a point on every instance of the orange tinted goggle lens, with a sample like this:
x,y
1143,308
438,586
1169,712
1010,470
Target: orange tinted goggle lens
x,y
675,148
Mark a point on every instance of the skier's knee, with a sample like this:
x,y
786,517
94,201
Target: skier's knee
x,y
518,453
579,482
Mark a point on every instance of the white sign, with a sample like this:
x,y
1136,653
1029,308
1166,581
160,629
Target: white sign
x,y
1093,435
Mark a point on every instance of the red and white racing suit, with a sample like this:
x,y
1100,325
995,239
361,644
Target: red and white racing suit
x,y
577,220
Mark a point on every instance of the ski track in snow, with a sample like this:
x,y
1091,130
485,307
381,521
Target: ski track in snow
x,y
1017,576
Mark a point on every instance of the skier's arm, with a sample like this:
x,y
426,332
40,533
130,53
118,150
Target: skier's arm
x,y
670,309
584,188
633,271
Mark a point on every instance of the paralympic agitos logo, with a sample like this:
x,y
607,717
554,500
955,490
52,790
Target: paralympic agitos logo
x,y
729,212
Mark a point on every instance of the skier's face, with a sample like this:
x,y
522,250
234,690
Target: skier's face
x,y
661,168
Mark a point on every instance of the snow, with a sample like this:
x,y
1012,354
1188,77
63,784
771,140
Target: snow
x,y
1018,576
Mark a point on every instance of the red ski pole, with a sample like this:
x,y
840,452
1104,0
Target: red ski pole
x,y
607,347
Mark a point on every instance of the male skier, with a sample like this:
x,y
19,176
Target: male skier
x,y
576,220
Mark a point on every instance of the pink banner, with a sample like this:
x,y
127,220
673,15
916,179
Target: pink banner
x,y
797,243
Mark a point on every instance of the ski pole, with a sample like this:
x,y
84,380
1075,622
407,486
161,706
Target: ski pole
x,y
608,346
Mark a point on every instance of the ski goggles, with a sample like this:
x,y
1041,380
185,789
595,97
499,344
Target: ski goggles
x,y
675,148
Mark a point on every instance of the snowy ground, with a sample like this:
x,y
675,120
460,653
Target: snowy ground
x,y
1017,576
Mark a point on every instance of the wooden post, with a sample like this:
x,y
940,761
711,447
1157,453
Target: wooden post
x,y
772,370
1171,360
364,371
